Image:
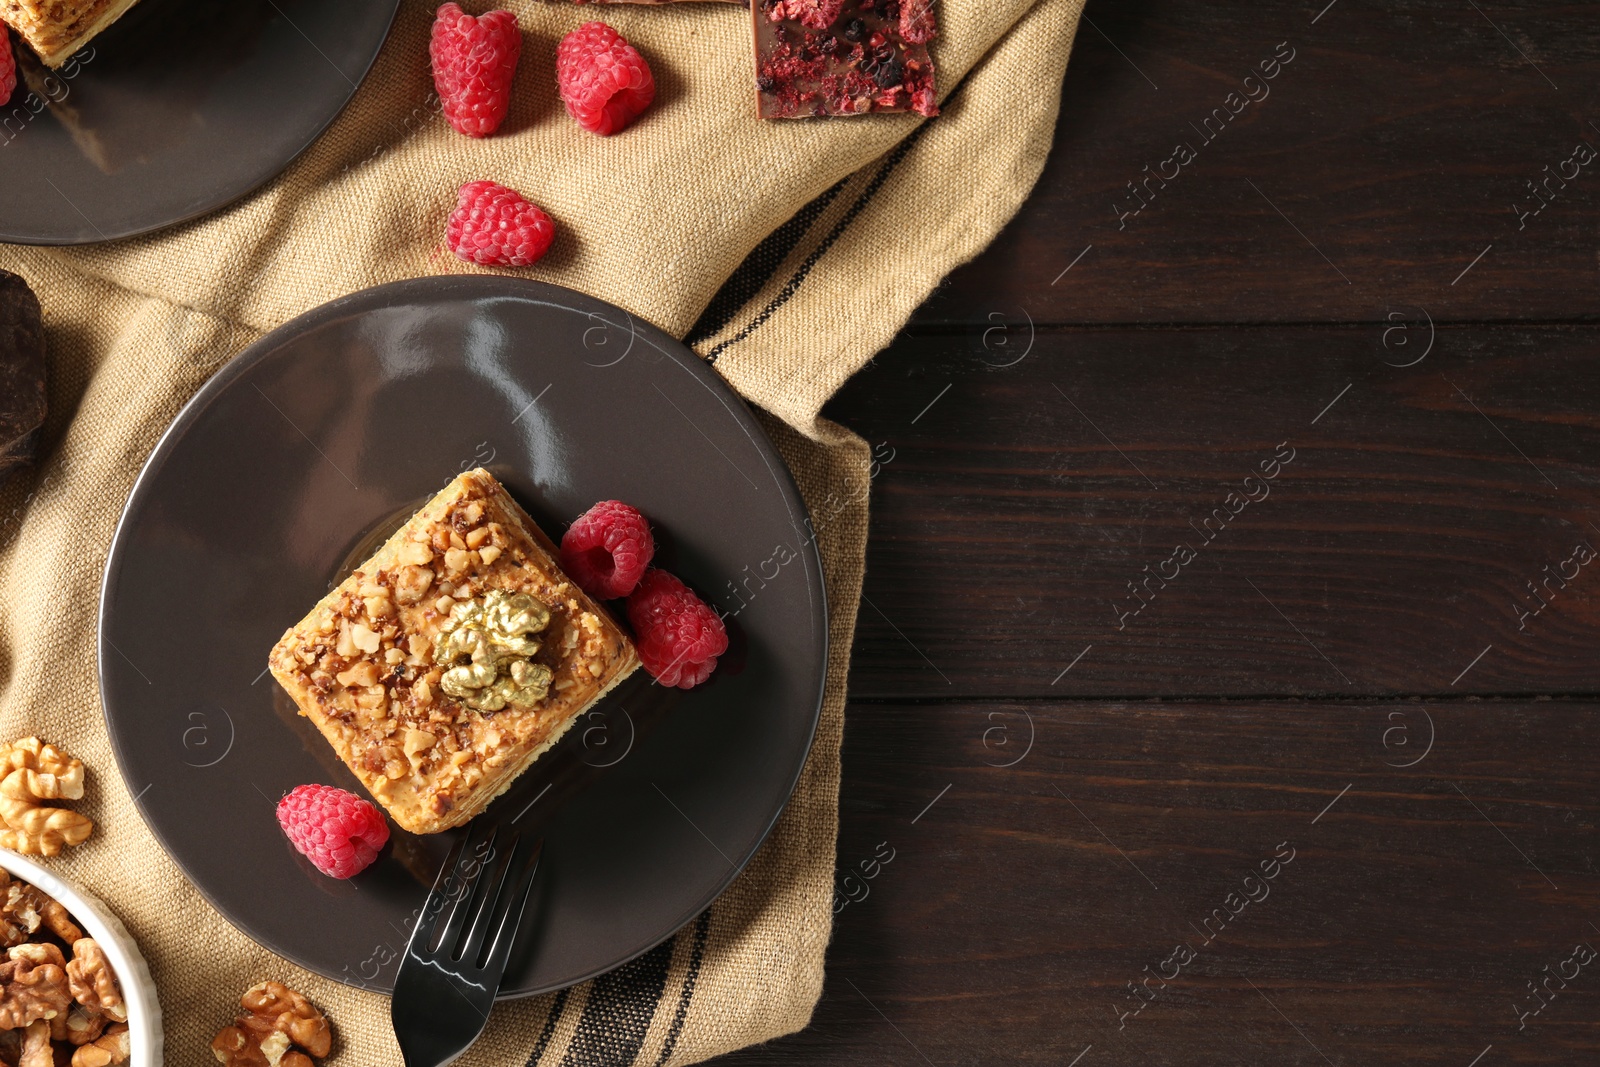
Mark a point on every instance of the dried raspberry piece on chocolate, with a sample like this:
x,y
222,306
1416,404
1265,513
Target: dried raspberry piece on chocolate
x,y
843,57
917,25
812,14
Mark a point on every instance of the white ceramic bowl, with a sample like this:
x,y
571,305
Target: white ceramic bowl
x,y
97,920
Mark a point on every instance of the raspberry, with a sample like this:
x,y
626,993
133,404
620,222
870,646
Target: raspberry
x,y
603,79
607,550
679,638
495,226
8,67
337,831
474,61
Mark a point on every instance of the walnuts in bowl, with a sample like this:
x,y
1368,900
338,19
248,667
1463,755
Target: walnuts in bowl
x,y
53,1005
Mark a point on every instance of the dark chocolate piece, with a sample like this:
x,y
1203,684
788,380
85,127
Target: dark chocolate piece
x,y
22,399
843,57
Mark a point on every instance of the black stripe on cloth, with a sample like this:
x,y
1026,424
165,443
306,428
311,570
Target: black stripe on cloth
x,y
702,927
556,1008
762,262
622,1004
792,286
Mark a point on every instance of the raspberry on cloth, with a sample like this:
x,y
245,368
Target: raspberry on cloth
x,y
474,64
495,226
603,79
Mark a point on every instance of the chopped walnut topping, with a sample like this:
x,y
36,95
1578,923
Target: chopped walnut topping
x,y
363,673
412,581
364,638
417,743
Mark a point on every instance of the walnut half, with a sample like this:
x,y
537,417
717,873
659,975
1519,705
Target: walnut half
x,y
36,1049
276,1020
34,772
24,908
35,986
110,1048
93,983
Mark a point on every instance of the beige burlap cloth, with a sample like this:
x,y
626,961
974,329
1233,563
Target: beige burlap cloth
x,y
691,201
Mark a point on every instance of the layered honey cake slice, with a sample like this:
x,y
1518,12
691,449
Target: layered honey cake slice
x,y
56,29
453,658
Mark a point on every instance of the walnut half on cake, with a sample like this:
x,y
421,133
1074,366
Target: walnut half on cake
x,y
453,658
56,29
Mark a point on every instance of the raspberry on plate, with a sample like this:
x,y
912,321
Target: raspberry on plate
x,y
336,830
8,67
607,550
494,226
474,62
603,79
677,634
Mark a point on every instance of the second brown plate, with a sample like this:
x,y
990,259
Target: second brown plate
x,y
322,437
178,109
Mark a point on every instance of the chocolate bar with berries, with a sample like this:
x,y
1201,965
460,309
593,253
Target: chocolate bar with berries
x,y
843,57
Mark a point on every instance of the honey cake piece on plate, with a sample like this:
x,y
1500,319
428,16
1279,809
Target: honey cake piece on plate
x,y
453,658
56,29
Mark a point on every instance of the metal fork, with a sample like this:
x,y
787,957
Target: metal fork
x,y
448,979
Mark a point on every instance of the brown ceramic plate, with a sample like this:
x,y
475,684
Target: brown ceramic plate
x,y
320,439
178,109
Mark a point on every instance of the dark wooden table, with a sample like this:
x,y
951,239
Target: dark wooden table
x,y
1225,685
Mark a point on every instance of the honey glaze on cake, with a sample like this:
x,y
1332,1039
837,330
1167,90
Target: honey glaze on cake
x,y
445,664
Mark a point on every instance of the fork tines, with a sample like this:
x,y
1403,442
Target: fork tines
x,y
462,942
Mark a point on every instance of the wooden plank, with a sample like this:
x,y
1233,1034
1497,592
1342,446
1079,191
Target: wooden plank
x,y
1077,502
1419,903
1395,146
